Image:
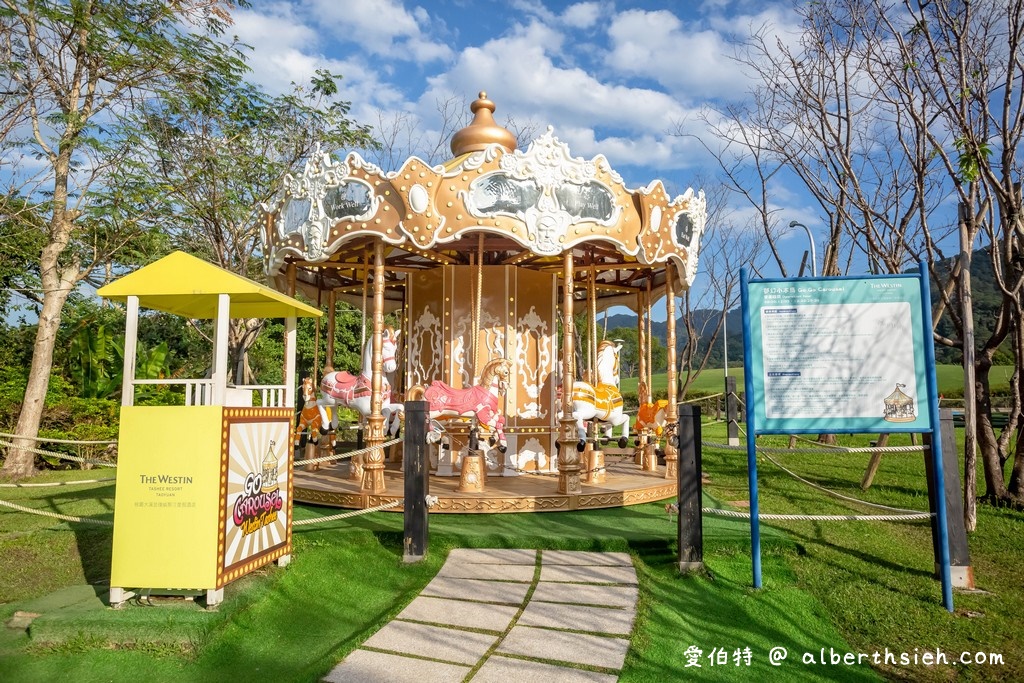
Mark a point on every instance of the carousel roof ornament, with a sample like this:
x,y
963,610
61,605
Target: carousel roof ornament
x,y
482,131
531,206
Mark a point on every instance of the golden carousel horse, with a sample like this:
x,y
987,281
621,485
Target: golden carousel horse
x,y
601,401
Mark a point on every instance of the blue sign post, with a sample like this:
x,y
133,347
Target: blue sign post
x,y
841,355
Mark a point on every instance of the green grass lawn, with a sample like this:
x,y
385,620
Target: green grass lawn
x,y
851,587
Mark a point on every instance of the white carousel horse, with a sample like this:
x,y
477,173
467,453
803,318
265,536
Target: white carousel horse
x,y
601,401
342,388
479,401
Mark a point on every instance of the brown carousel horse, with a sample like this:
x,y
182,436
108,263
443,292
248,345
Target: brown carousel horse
x,y
309,417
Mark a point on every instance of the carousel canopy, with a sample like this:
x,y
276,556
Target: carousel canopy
x,y
188,286
492,201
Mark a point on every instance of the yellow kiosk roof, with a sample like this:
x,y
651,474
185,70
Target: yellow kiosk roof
x,y
188,286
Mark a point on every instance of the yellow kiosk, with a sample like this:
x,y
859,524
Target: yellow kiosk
x,y
204,490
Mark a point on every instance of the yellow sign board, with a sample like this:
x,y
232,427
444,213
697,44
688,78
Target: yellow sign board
x,y
203,495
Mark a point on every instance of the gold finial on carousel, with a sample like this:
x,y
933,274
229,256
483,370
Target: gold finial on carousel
x,y
482,131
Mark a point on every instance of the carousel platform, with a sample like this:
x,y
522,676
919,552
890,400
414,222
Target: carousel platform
x,y
625,483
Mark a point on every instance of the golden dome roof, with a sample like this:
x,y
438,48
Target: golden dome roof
x,y
482,131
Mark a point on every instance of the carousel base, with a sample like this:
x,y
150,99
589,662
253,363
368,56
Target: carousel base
x,y
625,483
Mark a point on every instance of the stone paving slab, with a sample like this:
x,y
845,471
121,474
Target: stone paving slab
x,y
585,557
583,594
363,666
588,574
506,593
460,613
578,617
492,556
492,572
505,669
580,648
436,642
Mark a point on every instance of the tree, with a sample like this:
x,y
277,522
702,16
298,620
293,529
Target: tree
x,y
218,154
964,60
885,111
71,70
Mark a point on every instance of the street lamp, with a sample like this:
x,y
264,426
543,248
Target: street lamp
x,y
814,259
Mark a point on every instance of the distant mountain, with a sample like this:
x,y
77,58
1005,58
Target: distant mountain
x,y
986,307
704,319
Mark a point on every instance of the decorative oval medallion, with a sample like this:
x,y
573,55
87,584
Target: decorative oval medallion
x,y
418,198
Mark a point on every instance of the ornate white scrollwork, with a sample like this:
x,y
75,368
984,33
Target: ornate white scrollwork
x,y
311,202
546,188
426,340
532,334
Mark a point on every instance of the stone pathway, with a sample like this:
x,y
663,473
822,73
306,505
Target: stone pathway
x,y
492,616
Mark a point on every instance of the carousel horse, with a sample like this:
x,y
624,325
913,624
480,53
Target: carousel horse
x,y
310,416
342,388
601,401
479,401
652,416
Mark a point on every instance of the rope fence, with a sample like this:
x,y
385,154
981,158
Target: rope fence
x,y
56,515
350,513
55,483
62,456
5,435
820,518
344,456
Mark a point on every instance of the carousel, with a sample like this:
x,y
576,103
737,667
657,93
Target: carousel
x,y
485,258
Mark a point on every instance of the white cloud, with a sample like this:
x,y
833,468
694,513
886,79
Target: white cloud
x,y
381,27
694,65
583,15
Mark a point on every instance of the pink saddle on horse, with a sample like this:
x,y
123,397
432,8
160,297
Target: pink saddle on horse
x,y
345,387
443,398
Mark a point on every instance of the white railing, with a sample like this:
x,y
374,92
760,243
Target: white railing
x,y
271,395
199,392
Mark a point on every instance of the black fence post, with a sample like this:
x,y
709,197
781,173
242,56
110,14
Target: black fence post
x,y
417,482
691,536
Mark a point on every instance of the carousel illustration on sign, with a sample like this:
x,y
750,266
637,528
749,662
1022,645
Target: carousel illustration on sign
x,y
481,258
899,407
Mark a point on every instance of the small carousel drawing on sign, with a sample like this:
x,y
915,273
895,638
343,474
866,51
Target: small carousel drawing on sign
x,y
899,406
484,258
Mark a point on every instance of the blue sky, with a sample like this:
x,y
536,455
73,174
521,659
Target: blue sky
x,y
612,77
620,78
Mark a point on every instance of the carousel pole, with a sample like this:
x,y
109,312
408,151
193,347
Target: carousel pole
x,y
594,463
316,337
649,456
672,416
331,305
641,354
569,457
356,469
473,471
373,469
650,337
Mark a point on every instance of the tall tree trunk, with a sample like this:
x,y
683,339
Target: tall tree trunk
x,y
970,494
57,285
991,458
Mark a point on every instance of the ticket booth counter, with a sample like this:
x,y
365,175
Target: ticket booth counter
x,y
204,489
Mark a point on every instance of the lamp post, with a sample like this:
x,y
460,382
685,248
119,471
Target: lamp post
x,y
814,259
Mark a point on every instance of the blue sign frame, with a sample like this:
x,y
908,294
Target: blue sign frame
x,y
841,355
